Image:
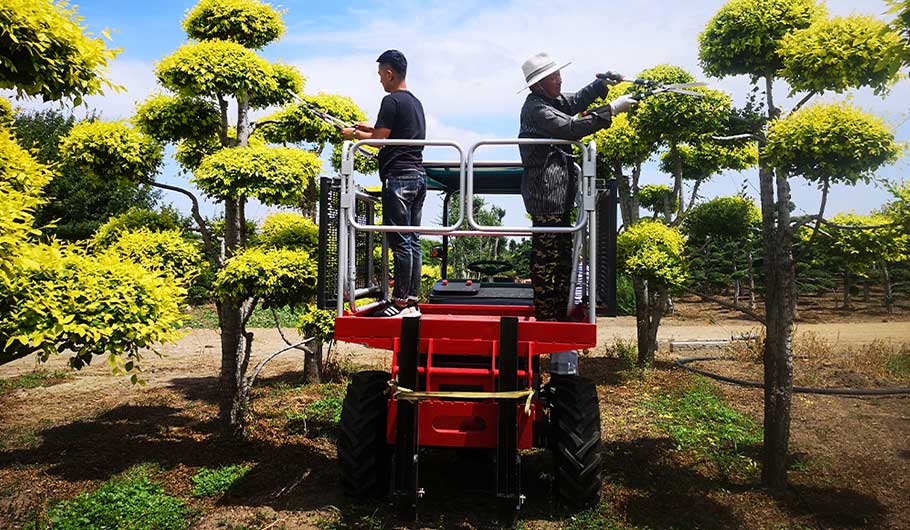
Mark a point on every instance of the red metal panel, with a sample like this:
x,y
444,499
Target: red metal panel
x,y
455,330
462,424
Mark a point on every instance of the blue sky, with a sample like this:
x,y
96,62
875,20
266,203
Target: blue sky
x,y
465,60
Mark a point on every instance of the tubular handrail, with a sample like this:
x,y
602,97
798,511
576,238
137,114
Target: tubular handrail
x,y
583,182
348,150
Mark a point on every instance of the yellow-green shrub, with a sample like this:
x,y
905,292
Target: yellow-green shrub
x,y
247,22
274,175
652,251
166,252
112,150
278,278
45,52
289,230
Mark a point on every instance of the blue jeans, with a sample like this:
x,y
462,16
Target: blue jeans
x,y
402,204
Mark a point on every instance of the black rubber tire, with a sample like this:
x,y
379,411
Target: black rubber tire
x,y
363,454
575,442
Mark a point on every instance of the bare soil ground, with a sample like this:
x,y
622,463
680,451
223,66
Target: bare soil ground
x,y
853,455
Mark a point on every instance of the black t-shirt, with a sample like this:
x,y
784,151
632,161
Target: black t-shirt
x,y
402,114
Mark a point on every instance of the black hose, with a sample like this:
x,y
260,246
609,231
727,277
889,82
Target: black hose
x,y
684,364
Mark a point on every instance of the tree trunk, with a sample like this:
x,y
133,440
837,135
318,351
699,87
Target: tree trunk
x,y
779,309
647,347
236,344
232,402
866,292
751,283
886,285
736,284
312,364
848,286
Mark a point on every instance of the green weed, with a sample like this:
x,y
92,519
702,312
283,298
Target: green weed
x,y
210,482
899,365
698,420
599,518
352,518
38,378
129,501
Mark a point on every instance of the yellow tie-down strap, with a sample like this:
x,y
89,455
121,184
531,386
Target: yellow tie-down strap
x,y
406,394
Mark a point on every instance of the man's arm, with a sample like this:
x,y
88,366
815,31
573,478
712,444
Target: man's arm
x,y
581,100
375,133
557,124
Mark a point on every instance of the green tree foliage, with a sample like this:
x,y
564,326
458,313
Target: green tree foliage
x,y
841,53
702,160
652,251
136,219
274,175
657,198
674,118
289,230
64,300
744,36
278,277
249,23
172,118
722,237
165,251
730,218
213,67
112,152
6,113
45,51
76,204
318,323
836,141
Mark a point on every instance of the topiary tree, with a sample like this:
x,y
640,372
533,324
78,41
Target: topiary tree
x,y
791,40
673,123
55,298
722,235
230,161
652,252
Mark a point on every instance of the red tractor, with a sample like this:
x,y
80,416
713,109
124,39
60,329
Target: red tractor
x,y
467,372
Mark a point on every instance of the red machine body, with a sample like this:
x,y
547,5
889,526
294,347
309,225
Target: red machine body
x,y
459,347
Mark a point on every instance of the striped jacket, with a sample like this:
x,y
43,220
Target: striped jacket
x,y
550,180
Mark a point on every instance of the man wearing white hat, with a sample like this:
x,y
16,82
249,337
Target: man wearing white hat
x,y
550,179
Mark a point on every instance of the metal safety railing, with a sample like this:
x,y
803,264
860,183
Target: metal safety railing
x,y
584,228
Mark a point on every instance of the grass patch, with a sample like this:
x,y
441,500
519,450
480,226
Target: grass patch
x,y
210,482
352,518
206,317
319,417
599,518
38,378
131,501
698,420
898,365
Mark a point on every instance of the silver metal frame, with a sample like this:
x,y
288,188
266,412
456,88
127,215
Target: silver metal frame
x,y
586,201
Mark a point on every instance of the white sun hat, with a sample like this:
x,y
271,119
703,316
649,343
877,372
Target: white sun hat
x,y
538,67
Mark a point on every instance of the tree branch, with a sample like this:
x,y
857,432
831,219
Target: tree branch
x,y
278,327
730,305
803,101
810,218
246,310
256,371
821,210
223,132
214,253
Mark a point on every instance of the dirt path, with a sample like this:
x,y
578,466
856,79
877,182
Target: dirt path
x,y
88,428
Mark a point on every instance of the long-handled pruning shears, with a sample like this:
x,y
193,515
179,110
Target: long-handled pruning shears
x,y
331,120
652,88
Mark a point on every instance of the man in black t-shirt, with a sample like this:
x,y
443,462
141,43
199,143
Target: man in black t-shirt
x,y
404,184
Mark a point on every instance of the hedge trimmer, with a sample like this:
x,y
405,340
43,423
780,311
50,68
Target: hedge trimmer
x,y
652,88
331,120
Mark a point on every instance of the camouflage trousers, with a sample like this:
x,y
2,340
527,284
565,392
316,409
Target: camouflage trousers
x,y
551,268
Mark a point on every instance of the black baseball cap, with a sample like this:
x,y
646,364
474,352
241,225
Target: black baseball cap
x,y
396,60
